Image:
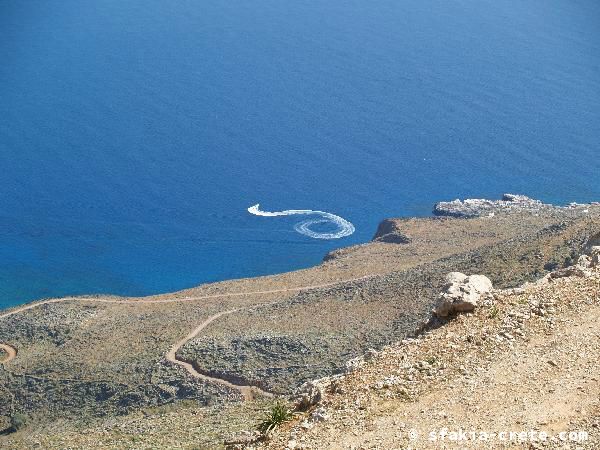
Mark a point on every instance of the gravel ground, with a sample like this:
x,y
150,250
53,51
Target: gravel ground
x,y
529,359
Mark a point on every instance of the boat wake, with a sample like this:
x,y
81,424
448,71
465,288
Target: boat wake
x,y
344,228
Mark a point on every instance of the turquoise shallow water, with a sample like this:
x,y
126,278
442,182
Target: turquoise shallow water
x,y
134,135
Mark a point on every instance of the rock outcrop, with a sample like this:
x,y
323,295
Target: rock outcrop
x,y
311,393
389,231
583,268
462,293
477,207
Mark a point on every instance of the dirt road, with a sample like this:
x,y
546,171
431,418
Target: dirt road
x,y
248,392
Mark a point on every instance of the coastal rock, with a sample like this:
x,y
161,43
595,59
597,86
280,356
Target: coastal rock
x,y
462,293
389,231
479,207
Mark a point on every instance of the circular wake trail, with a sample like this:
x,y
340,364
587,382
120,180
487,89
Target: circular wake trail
x,y
344,228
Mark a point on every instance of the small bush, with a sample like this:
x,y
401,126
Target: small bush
x,y
494,312
17,421
278,414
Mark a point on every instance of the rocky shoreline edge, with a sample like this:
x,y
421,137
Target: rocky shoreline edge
x,y
388,230
477,207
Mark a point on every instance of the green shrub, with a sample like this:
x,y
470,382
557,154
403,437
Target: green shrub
x,y
17,421
278,414
494,312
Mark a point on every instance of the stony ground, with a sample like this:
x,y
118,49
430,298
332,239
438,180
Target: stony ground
x,y
527,360
184,426
281,345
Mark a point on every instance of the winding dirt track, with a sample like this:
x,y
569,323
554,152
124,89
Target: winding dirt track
x,y
248,392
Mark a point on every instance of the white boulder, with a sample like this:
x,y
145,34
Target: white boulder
x,y
462,293
312,392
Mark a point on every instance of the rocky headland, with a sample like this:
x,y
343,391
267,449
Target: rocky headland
x,y
94,370
477,207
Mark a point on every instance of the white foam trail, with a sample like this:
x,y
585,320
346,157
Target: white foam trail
x,y
345,228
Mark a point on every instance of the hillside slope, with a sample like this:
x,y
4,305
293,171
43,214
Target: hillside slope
x,y
528,360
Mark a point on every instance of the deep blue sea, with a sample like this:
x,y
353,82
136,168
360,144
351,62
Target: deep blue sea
x,y
135,134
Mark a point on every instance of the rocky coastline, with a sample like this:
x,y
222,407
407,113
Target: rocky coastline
x,y
470,208
363,298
